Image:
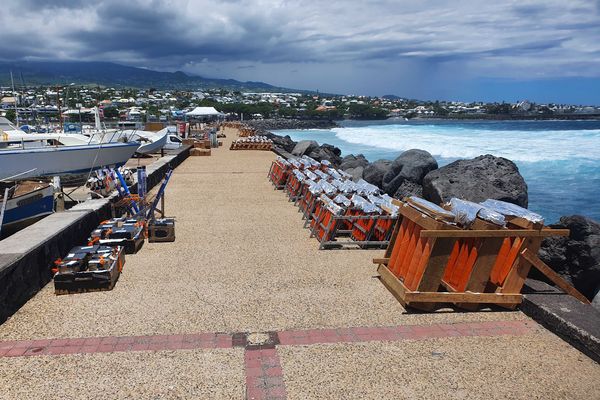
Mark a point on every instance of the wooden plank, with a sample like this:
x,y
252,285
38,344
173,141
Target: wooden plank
x,y
392,283
463,297
422,219
383,261
553,276
433,213
520,269
490,233
398,203
523,223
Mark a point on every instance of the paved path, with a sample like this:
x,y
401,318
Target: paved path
x,y
186,318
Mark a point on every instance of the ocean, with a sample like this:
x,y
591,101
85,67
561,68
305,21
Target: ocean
x,y
560,160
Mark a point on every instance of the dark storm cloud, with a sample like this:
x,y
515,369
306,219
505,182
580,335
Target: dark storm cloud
x,y
168,34
49,4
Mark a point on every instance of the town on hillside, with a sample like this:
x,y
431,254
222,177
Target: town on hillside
x,y
41,104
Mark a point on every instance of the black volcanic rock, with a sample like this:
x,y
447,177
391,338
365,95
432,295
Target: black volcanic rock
x,y
327,152
577,257
407,189
479,179
304,147
375,171
352,161
357,173
285,142
412,165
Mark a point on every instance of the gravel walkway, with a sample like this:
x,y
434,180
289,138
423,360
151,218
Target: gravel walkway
x,y
243,263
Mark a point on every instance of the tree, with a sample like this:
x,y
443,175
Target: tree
x,y
497,109
152,110
365,111
111,113
287,112
438,109
11,115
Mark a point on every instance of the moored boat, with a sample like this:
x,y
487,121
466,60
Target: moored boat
x,y
50,160
24,155
27,202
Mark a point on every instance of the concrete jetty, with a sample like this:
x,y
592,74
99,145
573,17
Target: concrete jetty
x,y
244,305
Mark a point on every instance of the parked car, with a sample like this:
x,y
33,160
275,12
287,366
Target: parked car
x,y
173,142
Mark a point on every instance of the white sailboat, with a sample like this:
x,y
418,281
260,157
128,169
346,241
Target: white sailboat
x,y
25,155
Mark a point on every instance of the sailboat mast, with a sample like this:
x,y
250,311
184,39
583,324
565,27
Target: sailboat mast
x,y
60,119
15,97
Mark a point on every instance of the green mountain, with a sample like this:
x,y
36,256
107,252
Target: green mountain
x,y
111,74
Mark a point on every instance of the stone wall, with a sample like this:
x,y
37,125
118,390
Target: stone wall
x,y
27,256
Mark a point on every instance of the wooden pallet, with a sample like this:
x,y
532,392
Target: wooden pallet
x,y
279,174
250,146
431,263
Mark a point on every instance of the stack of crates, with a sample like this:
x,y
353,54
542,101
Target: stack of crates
x,y
88,268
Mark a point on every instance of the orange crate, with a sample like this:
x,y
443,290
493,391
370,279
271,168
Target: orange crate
x,y
430,263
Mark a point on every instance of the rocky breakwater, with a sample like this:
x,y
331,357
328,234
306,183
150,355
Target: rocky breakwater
x,y
276,124
577,257
478,179
304,147
415,173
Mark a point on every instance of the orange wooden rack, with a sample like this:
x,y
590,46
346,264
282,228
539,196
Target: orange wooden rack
x,y
431,263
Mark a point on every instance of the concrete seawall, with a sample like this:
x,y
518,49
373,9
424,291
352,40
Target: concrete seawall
x,y
27,256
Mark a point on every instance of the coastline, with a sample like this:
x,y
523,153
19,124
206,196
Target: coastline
x,y
488,117
284,123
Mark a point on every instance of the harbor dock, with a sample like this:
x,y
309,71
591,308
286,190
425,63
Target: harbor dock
x,y
244,305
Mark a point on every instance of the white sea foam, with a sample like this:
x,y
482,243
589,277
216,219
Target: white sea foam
x,y
461,142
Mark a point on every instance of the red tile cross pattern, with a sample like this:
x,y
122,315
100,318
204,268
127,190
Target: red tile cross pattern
x,y
264,375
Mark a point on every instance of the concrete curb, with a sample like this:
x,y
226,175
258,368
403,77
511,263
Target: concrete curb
x,y
27,256
576,323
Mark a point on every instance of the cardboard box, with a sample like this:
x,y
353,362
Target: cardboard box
x,y
199,152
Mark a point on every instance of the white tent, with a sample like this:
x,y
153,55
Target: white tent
x,y
204,112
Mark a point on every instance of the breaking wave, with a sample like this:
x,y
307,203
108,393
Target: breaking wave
x,y
452,142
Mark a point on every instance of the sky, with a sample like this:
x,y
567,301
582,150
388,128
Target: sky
x,y
544,51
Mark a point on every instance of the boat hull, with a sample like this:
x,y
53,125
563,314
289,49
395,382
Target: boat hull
x,y
152,147
151,142
25,209
63,160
